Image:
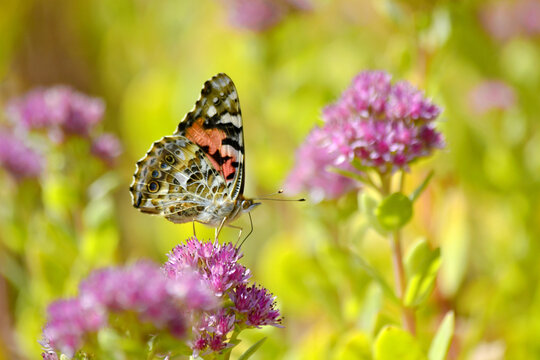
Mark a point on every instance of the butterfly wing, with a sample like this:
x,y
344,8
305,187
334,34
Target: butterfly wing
x,y
175,179
215,125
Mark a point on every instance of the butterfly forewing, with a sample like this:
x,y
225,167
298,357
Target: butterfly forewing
x,y
197,174
215,124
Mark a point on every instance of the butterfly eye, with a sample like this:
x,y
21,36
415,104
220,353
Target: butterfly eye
x,y
169,159
153,186
155,174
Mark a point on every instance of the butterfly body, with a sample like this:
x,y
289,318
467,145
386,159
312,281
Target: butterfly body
x,y
197,174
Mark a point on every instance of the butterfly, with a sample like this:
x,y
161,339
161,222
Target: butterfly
x,y
197,173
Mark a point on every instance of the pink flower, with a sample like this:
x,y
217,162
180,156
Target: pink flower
x,y
260,15
243,306
142,289
19,160
69,321
492,94
505,20
257,305
217,264
57,108
381,126
106,147
313,170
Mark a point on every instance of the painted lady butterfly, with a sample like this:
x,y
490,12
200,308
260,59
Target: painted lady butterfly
x,y
197,174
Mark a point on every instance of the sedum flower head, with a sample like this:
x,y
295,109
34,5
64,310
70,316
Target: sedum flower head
x,y
19,160
244,306
69,322
106,147
312,171
57,108
377,124
217,264
260,15
256,305
504,20
201,288
141,289
490,95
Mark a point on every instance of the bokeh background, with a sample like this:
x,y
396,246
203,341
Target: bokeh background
x,y
147,60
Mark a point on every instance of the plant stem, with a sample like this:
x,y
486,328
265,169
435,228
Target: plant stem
x,y
232,340
407,314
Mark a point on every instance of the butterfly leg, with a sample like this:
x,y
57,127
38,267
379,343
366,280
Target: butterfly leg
x,y
194,233
218,229
240,229
249,233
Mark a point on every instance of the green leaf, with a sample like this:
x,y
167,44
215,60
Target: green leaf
x,y
368,205
394,211
441,342
371,306
455,239
394,343
353,345
374,274
422,264
252,349
420,189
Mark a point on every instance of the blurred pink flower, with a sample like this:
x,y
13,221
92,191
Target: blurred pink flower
x,y
491,94
141,289
19,160
107,147
69,321
260,15
313,170
383,126
57,107
507,19
244,306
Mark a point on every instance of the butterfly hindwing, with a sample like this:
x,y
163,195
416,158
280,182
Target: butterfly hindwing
x,y
175,179
215,125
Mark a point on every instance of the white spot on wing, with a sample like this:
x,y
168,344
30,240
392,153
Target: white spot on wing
x,y
212,111
232,119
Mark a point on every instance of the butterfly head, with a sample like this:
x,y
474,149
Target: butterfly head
x,y
248,204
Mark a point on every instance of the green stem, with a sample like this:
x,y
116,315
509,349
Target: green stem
x,y
402,181
233,338
407,313
386,182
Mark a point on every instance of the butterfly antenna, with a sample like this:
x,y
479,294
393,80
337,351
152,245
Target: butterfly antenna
x,y
280,191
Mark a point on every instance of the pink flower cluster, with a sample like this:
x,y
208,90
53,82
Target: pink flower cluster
x,y
57,108
260,15
492,94
312,171
245,306
18,159
62,112
380,125
504,20
141,289
201,288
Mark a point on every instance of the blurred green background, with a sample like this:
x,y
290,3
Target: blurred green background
x,y
148,61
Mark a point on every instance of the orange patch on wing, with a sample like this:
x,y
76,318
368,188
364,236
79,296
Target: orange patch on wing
x,y
205,137
228,169
211,138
